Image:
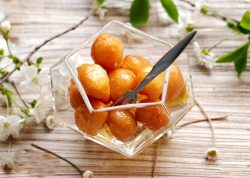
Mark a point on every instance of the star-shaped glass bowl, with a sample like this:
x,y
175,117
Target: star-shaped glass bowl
x,y
136,43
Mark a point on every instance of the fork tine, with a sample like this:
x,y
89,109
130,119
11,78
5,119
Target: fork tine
x,y
134,100
127,99
123,96
117,101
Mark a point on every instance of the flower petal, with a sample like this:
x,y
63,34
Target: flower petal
x,y
44,72
50,122
30,73
29,86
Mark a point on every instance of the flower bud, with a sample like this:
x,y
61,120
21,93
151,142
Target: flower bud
x,y
8,160
190,28
205,52
212,154
5,28
50,122
88,174
204,9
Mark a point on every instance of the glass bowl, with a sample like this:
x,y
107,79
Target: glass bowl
x,y
137,43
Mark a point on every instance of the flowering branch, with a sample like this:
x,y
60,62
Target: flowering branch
x,y
81,172
213,13
224,39
212,153
17,91
178,127
27,59
209,120
200,120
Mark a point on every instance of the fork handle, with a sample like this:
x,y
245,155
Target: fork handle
x,y
166,61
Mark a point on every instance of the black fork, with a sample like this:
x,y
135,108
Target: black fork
x,y
158,68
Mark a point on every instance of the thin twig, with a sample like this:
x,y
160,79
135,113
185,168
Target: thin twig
x,y
50,152
224,39
178,127
190,3
27,59
156,156
209,120
14,84
201,120
212,13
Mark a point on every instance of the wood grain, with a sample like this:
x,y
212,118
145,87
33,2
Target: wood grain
x,y
219,90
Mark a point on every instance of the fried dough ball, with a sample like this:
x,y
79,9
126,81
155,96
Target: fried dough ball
x,y
72,82
154,89
75,96
152,117
122,124
107,51
95,81
134,63
121,81
175,83
91,123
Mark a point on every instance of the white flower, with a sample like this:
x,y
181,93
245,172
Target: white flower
x,y
185,21
8,160
163,17
99,9
29,120
5,62
129,35
75,61
212,154
169,134
50,122
44,103
197,11
10,125
62,98
62,83
88,174
101,12
203,57
5,27
34,81
38,113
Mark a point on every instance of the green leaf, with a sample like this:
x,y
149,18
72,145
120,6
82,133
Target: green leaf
x,y
39,60
139,12
241,29
235,55
241,63
171,9
245,21
100,2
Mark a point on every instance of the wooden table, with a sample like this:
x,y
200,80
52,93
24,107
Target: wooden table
x,y
219,90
